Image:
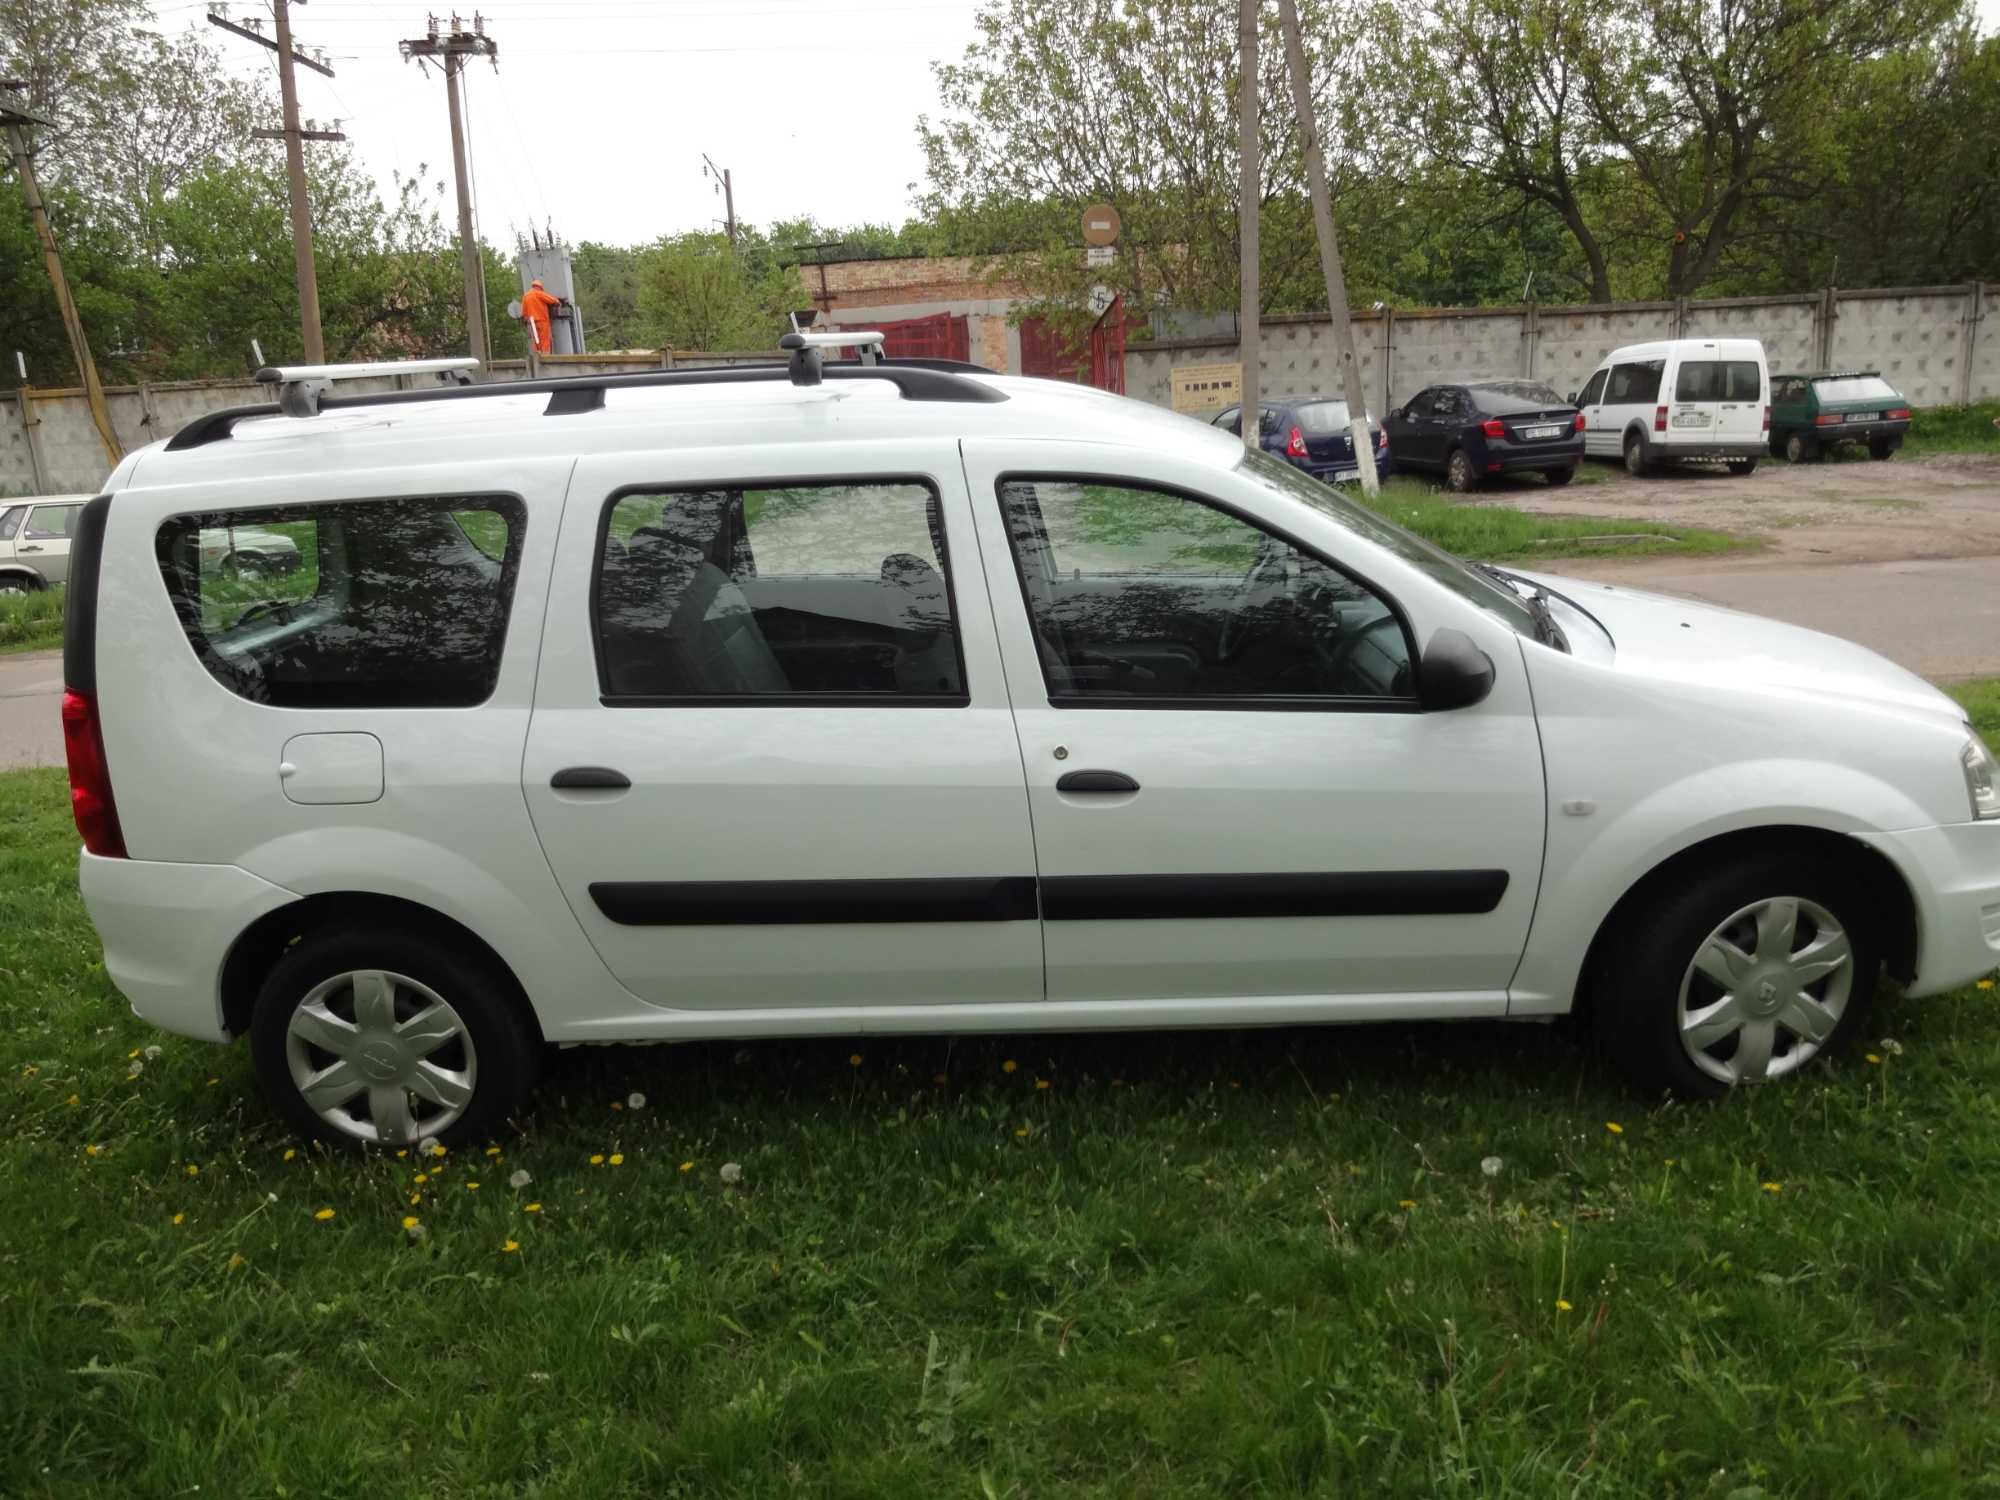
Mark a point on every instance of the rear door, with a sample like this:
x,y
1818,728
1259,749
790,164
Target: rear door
x,y
1718,398
44,541
773,762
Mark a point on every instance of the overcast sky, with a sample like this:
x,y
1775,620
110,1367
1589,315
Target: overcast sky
x,y
601,109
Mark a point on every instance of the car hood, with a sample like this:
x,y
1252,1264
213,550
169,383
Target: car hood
x,y
1680,639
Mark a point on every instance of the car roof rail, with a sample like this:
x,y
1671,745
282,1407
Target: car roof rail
x,y
914,379
300,387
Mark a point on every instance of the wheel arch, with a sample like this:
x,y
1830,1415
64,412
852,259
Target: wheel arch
x,y
260,945
1886,885
25,574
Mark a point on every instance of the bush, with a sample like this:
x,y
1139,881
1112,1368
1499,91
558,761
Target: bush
x,y
30,621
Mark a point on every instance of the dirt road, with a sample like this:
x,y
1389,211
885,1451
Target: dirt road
x,y
1849,511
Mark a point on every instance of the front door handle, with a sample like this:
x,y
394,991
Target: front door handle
x,y
28,549
590,779
1095,781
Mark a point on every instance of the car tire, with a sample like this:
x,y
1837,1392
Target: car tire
x,y
1742,466
1799,449
1656,993
1638,463
1459,476
1879,450
15,586
1560,476
419,1016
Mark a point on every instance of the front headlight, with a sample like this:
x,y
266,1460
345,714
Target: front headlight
x,y
1980,778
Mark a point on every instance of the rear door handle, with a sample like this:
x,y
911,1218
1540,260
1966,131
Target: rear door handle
x,y
590,779
1095,781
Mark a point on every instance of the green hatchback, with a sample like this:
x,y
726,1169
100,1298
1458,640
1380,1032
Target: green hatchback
x,y
1812,413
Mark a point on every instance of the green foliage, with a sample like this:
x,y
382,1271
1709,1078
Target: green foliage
x,y
1492,531
696,292
1236,1263
31,622
1953,429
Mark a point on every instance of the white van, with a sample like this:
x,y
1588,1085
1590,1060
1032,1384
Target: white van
x,y
1679,399
903,697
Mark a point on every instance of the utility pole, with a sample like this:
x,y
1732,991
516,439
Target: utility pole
x,y
295,162
1247,193
1329,250
451,50
721,174
16,122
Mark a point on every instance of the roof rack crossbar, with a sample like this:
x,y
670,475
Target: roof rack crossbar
x,y
916,379
300,387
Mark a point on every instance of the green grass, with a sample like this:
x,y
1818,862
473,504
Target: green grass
x,y
1952,429
1492,532
31,622
1203,1264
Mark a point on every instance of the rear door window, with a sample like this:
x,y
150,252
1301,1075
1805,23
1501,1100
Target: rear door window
x,y
356,604
10,521
1719,380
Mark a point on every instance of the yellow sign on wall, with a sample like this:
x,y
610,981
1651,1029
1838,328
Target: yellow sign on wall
x,y
1197,390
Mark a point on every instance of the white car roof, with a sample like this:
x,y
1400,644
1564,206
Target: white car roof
x,y
648,418
1688,348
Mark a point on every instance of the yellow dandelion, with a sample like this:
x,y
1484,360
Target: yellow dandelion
x,y
1614,1127
1873,1058
618,1158
29,1070
854,1059
1406,1203
290,1153
597,1160
437,1148
472,1187
133,1053
1984,984
687,1166
179,1217
1555,1223
235,1260
1670,1161
1774,1187
401,1154
1041,1083
92,1150
616,1105
1562,1305
1009,1065
213,1082
492,1150
510,1247
415,1199
323,1215
1022,1131
531,1208
410,1221
422,1178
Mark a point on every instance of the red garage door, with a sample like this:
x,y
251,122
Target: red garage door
x,y
938,336
1098,358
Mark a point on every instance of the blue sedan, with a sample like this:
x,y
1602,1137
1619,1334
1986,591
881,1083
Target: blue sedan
x,y
1313,433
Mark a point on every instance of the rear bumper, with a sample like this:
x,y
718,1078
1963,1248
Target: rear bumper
x,y
1954,873
1343,471
1852,432
1669,452
166,929
1542,456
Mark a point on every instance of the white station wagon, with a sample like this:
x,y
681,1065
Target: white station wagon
x,y
900,697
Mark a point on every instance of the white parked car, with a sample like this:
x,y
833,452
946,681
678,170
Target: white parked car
x,y
725,704
1679,399
34,542
248,550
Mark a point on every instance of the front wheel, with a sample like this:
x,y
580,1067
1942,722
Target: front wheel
x,y
1740,971
389,1035
1459,475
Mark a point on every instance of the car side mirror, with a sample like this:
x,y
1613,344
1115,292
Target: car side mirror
x,y
1454,673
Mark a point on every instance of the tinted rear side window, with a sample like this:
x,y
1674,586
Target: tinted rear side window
x,y
1719,380
357,604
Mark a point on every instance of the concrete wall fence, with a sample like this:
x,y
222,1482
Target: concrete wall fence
x,y
1926,341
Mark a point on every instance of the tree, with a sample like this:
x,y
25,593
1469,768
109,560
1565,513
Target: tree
x,y
695,292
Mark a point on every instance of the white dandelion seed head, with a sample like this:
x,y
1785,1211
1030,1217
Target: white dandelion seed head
x,y
1892,1046
1490,1166
427,1145
635,1100
134,1068
732,1171
520,1179
151,1053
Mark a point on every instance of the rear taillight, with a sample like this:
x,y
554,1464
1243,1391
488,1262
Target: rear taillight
x,y
1824,419
90,777
1295,445
1579,421
1382,441
1767,419
1659,419
1896,414
1493,427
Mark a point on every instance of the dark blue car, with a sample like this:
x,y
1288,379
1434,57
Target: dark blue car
x,y
1472,430
1311,432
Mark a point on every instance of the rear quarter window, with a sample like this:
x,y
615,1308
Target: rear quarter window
x,y
356,604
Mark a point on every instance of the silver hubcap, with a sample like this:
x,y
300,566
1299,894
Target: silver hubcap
x,y
381,1057
1765,990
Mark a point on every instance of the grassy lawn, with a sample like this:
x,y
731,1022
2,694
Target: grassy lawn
x,y
1953,429
1493,532
30,622
1414,1261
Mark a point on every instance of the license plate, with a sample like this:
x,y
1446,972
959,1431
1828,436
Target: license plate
x,y
1864,416
1691,419
1540,432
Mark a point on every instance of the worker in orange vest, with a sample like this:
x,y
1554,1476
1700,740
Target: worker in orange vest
x,y
536,305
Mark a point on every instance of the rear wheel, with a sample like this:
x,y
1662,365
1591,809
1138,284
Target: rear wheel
x,y
1560,476
1743,466
1800,449
388,1035
1740,971
15,584
1880,448
1637,462
1459,474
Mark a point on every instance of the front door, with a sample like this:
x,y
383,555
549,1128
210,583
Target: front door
x,y
1233,794
772,760
44,541
1590,401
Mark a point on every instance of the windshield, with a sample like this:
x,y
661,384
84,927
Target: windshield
x,y
1322,417
1856,388
1474,587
